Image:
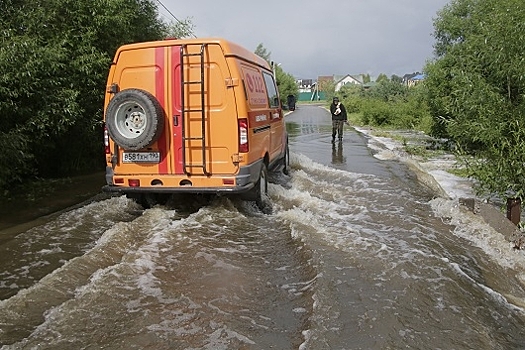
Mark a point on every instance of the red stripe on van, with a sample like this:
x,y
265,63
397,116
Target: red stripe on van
x,y
159,93
176,105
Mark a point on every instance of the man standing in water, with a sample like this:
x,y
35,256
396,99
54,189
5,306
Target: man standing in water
x,y
339,118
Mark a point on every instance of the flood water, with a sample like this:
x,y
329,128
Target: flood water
x,y
355,255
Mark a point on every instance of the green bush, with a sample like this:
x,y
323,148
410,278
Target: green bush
x,y
54,60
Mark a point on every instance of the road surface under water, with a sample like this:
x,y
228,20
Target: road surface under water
x,y
355,255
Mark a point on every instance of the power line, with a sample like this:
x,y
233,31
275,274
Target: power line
x,y
172,15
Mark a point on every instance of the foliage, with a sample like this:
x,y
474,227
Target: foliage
x,y
377,112
396,79
476,87
328,87
180,29
387,90
54,59
381,77
15,158
285,82
351,95
389,104
261,51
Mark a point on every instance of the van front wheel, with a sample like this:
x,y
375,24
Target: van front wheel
x,y
286,160
134,119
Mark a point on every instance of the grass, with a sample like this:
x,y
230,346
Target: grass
x,y
461,172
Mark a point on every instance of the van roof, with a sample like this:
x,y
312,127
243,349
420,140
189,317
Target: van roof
x,y
229,48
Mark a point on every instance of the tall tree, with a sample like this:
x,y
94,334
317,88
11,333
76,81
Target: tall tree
x,y
180,29
382,77
285,82
261,51
366,78
476,88
397,79
54,59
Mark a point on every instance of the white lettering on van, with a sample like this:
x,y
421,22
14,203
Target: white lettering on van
x,y
260,118
257,101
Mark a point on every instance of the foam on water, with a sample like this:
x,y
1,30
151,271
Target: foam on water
x,y
63,285
479,233
345,258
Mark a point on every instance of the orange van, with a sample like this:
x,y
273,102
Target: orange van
x,y
192,116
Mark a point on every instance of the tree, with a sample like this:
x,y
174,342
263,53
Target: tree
x,y
261,51
396,79
382,77
285,82
476,89
180,29
388,90
54,60
328,87
366,78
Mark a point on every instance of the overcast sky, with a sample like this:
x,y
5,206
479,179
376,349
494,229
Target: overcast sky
x,y
322,37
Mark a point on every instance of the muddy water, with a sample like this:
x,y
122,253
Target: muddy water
x,y
355,255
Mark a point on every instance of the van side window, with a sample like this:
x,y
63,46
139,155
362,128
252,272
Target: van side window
x,y
271,90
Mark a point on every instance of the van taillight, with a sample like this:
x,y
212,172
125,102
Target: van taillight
x,y
243,136
106,140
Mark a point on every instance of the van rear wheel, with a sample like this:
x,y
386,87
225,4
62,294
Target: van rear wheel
x,y
134,119
262,188
148,200
261,191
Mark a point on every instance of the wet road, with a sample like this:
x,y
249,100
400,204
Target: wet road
x,y
355,255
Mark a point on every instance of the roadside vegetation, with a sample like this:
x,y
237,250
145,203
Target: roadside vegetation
x,y
54,59
285,82
472,98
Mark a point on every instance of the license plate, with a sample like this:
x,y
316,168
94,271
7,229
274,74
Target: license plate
x,y
141,157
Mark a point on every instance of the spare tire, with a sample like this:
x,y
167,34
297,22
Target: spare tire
x,y
134,119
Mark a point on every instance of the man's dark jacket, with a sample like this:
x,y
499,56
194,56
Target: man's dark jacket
x,y
339,116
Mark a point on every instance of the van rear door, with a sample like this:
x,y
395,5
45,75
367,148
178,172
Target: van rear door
x,y
204,113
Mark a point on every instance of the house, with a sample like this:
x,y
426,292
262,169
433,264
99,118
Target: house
x,y
310,90
322,80
416,80
307,89
316,92
305,85
347,79
413,79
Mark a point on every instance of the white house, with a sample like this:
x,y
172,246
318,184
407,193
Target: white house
x,y
347,79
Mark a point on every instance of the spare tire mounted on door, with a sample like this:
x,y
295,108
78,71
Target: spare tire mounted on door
x,y
134,119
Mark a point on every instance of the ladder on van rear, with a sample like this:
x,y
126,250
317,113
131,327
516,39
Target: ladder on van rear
x,y
193,111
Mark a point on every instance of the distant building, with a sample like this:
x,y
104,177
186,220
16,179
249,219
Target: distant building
x,y
310,90
369,85
413,79
305,85
307,89
347,79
